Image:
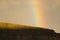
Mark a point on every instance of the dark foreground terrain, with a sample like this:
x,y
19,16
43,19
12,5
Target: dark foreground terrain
x,y
20,32
28,34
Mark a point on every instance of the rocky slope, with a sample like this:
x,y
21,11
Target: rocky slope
x,y
10,31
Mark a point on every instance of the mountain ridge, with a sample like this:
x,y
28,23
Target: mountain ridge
x,y
9,31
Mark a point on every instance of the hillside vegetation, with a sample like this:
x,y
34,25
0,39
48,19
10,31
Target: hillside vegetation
x,y
15,26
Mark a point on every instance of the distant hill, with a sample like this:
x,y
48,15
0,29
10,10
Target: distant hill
x,y
14,26
10,31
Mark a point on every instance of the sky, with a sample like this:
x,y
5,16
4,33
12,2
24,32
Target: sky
x,y
42,13
52,12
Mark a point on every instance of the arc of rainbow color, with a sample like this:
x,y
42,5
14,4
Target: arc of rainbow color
x,y
38,12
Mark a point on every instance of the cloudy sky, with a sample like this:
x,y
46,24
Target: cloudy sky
x,y
20,12
52,11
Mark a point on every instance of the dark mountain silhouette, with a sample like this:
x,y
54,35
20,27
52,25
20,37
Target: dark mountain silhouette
x,y
22,32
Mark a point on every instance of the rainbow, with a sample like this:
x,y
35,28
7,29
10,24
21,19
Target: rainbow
x,y
38,12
